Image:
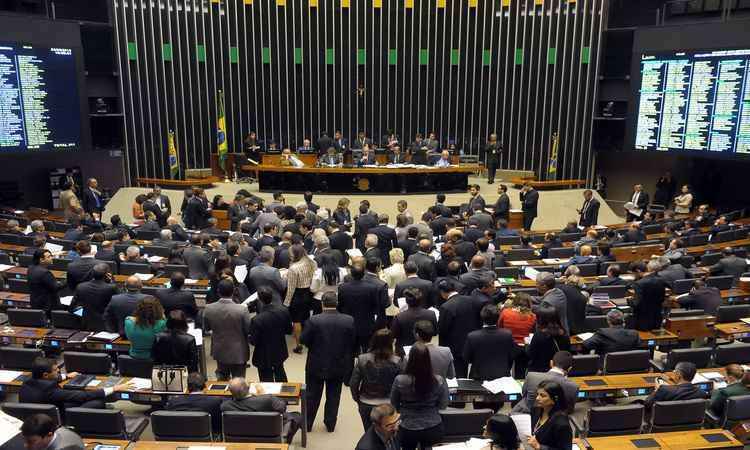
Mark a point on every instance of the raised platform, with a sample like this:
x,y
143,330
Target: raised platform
x,y
553,184
163,182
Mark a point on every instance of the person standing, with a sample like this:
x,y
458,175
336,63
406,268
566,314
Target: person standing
x,y
683,203
589,212
493,153
361,299
502,205
230,323
44,289
419,395
268,332
489,350
648,301
639,199
93,205
529,202
69,202
331,339
298,298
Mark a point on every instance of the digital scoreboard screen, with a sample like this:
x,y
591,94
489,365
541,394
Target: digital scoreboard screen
x,y
39,99
696,101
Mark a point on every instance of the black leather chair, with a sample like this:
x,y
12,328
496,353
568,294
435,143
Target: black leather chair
x,y
508,240
735,353
104,424
88,363
7,238
461,425
736,410
722,282
181,426
170,269
588,270
585,365
732,313
569,237
631,361
24,260
682,286
701,357
519,254
23,410
19,317
241,426
616,291
723,236
133,367
156,250
709,259
65,319
15,358
603,267
612,421
561,252
680,415
147,235
594,323
60,264
697,239
687,261
128,268
19,285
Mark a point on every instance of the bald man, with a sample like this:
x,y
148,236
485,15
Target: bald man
x,y
424,261
123,305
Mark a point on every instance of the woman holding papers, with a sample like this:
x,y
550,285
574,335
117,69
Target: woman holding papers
x,y
548,339
551,428
142,327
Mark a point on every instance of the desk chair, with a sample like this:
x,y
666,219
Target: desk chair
x,y
709,259
88,363
133,367
15,358
721,283
680,415
561,252
461,425
687,261
736,410
508,240
65,319
682,286
735,353
652,229
19,285
697,239
723,236
128,268
631,361
60,264
241,426
611,421
507,272
588,270
569,237
603,267
7,238
170,269
594,323
156,250
616,291
732,313
23,410
23,260
146,235
701,357
181,426
27,317
27,241
104,424
520,254
585,365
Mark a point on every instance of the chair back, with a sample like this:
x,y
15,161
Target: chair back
x,y
19,285
508,240
736,410
60,264
23,410
678,415
682,286
181,426
721,282
614,420
133,367
170,269
709,259
25,260
128,268
631,361
594,323
157,250
723,236
88,363
588,270
697,239
615,291
701,357
147,235
604,266
585,365
687,261
561,252
15,358
569,237
732,313
241,426
461,425
519,254
97,423
735,353
65,319
19,317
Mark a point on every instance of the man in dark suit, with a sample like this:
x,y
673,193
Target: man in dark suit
x,y
164,240
395,156
729,264
94,297
410,245
383,434
476,275
339,238
150,205
361,141
424,261
681,388
502,205
197,259
268,332
123,305
75,231
402,326
386,238
634,234
362,300
493,153
472,232
362,225
178,232
196,212
331,341
324,143
162,201
412,281
649,297
441,222
613,277
91,199
589,212
560,365
640,200
367,158
80,269
43,288
720,225
529,203
476,198
458,318
490,349
615,338
340,142
198,403
703,297
174,297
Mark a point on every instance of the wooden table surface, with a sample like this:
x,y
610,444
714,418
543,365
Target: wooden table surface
x,y
166,445
732,329
676,440
91,443
468,168
656,335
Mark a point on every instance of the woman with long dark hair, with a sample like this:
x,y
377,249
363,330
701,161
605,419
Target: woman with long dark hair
x,y
548,339
327,278
502,431
142,327
549,419
418,394
298,296
374,373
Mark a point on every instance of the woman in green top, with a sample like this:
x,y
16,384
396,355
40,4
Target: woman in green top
x,y
142,327
738,383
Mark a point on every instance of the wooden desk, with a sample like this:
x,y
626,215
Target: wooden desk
x,y
91,443
691,327
15,300
676,440
636,252
732,330
552,184
12,248
649,339
166,445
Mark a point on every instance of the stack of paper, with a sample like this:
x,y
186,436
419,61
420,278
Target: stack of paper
x,y
53,248
4,267
197,333
530,273
452,382
267,388
507,385
354,252
154,259
190,281
746,320
585,336
523,425
6,376
9,427
140,384
252,298
145,276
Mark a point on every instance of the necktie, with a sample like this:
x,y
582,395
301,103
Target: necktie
x,y
585,207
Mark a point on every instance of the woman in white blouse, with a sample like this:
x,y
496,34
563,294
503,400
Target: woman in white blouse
x,y
395,273
683,202
328,276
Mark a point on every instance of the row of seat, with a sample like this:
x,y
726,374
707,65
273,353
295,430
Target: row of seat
x,y
91,363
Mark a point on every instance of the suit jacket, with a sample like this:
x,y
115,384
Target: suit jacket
x,y
576,308
198,403
472,234
439,225
360,142
490,352
648,301
425,265
424,286
534,379
362,225
166,205
402,326
175,348
268,332
94,296
386,241
409,247
477,201
340,144
120,307
555,298
80,271
719,397
502,207
330,339
634,236
47,391
370,160
458,318
196,214
230,323
666,393
263,275
74,234
529,201
43,288
590,215
706,298
236,214
607,340
396,159
373,253
198,261
730,265
89,199
161,218
331,160
173,299
281,256
341,241
673,272
362,300
370,441
178,233
442,361
642,200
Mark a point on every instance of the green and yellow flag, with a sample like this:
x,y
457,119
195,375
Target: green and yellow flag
x,y
221,134
174,162
552,166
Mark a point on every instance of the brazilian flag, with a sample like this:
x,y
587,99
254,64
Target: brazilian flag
x,y
221,134
174,163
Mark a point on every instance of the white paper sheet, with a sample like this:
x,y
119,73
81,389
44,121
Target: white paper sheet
x,y
9,427
402,306
507,385
530,273
27,230
585,336
138,384
144,276
240,273
197,333
6,376
523,425
268,388
154,259
104,335
253,298
67,300
745,319
190,281
407,349
354,252
452,382
518,263
4,267
53,248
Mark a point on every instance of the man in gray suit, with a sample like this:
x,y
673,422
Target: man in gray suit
x,y
424,261
197,258
230,323
40,432
551,297
440,357
729,264
265,274
123,305
558,372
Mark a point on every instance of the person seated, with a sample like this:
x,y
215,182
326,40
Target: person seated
x,y
613,277
150,223
738,383
13,227
75,232
676,249
503,230
175,346
551,240
690,227
704,217
584,257
559,366
648,218
634,234
39,432
174,297
590,238
605,253
197,403
396,157
502,432
615,338
142,327
243,400
681,388
571,227
383,434
331,158
132,255
306,147
549,418
702,296
43,387
445,159
287,159
367,158
729,264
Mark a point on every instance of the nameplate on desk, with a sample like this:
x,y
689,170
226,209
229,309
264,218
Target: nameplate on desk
x,y
645,443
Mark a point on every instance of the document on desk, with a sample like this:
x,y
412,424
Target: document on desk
x,y
139,384
507,385
6,376
530,273
585,336
518,263
523,425
268,388
53,248
746,319
67,300
145,276
154,259
9,427
4,267
354,252
452,382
